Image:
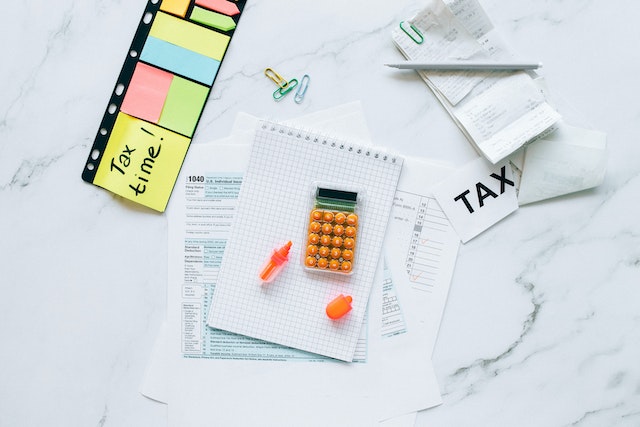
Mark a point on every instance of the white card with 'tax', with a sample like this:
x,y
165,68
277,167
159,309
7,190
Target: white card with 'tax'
x,y
477,196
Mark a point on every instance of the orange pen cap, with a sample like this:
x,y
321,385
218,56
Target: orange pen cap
x,y
339,306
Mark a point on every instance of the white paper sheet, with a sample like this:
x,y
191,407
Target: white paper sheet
x,y
274,205
472,16
192,375
505,116
421,247
476,196
446,40
570,159
154,383
396,378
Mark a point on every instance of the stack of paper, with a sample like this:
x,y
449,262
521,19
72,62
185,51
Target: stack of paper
x,y
275,203
237,380
507,116
498,112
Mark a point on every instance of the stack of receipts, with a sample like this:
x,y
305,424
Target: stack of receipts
x,y
497,111
213,377
505,115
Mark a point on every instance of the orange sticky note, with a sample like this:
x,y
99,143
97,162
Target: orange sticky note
x,y
147,92
177,7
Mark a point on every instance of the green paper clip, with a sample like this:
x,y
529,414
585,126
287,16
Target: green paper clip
x,y
282,91
417,32
304,84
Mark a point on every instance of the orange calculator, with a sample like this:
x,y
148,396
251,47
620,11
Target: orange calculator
x,y
332,232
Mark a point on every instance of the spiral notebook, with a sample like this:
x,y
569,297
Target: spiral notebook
x,y
273,208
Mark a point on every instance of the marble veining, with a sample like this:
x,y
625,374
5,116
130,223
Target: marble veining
x,y
542,326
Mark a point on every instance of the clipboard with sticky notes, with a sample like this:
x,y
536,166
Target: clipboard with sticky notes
x,y
159,97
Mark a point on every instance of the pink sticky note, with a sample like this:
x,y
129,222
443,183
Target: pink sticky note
x,y
147,92
222,6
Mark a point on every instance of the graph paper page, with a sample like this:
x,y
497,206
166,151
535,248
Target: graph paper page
x,y
273,208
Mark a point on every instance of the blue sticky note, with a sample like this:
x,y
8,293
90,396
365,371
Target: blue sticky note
x,y
179,60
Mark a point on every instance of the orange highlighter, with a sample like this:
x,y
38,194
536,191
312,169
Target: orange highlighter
x,y
275,263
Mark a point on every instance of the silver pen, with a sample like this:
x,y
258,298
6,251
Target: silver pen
x,y
464,66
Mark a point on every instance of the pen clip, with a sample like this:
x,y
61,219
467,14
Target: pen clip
x,y
416,31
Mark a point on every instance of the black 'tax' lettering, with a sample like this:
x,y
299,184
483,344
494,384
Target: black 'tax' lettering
x,y
480,186
464,199
503,179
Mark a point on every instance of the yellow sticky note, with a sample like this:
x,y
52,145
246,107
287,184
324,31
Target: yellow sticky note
x,y
141,161
177,7
189,36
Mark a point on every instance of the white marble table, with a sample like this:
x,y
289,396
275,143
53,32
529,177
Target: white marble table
x,y
542,326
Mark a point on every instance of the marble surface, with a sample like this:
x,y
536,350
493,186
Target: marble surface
x,y
542,326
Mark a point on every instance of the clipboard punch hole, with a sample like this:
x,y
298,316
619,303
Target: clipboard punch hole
x,y
119,89
95,154
147,18
133,53
112,108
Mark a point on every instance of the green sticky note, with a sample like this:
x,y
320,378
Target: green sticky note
x,y
183,106
212,19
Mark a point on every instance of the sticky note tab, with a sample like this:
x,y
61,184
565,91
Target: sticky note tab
x,y
212,19
189,36
222,6
141,161
177,7
183,106
180,61
146,93
146,105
